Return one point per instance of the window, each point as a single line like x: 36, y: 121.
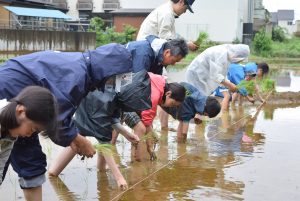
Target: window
x: 289, y: 23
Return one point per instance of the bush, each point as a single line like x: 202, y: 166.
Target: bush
x: 278, y: 34
x: 105, y: 35
x: 262, y: 43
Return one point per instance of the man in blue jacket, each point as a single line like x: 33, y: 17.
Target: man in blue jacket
x: 153, y: 53
x: 70, y: 76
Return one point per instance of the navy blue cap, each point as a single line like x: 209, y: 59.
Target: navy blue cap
x: 189, y: 4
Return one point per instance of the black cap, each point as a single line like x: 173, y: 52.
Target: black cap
x: 189, y: 4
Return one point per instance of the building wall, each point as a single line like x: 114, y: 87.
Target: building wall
x: 290, y: 28
x: 97, y: 6
x: 4, y: 19
x: 73, y: 12
x: 134, y: 21
x: 223, y: 20
x: 32, y: 40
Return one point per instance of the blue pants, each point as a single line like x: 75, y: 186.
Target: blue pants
x: 27, y: 158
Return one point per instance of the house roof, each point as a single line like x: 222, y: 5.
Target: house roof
x: 285, y: 15
x: 35, y: 12
x: 274, y: 17
x: 132, y: 11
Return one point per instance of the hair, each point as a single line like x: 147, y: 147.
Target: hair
x: 175, y: 1
x: 177, y: 47
x: 264, y: 67
x: 41, y: 108
x: 212, y: 107
x: 178, y: 91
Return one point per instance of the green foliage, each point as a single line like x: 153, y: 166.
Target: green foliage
x: 105, y: 35
x: 150, y: 136
x: 267, y: 85
x: 278, y: 34
x: 2, y: 60
x: 105, y: 149
x: 203, y: 36
x: 248, y: 85
x: 262, y: 43
x: 236, y: 41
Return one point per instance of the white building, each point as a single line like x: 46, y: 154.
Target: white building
x: 284, y: 19
x: 222, y: 20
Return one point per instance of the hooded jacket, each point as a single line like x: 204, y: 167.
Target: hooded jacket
x: 147, y: 54
x: 68, y: 75
x: 210, y: 68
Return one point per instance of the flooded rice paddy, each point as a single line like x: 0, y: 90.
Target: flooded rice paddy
x: 216, y: 163
x: 240, y: 155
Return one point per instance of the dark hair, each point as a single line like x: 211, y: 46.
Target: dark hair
x: 178, y: 91
x: 41, y: 108
x: 212, y: 107
x: 175, y: 1
x: 264, y: 67
x: 177, y: 47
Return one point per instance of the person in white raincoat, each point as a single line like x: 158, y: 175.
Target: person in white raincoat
x: 209, y: 69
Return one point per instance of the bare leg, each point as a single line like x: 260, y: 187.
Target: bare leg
x: 114, y: 138
x: 139, y: 130
x: 33, y: 194
x: 61, y: 162
x: 122, y: 184
x: 225, y: 101
x: 101, y: 162
x: 163, y: 117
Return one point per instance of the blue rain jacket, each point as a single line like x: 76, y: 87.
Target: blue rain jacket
x: 236, y: 73
x: 250, y: 68
x: 147, y: 54
x: 68, y: 75
x: 193, y: 103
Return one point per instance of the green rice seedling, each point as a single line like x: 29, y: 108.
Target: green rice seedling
x: 105, y: 149
x: 267, y: 85
x: 151, y: 135
x: 248, y: 85
x: 203, y: 36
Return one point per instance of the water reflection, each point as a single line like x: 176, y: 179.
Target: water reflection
x: 287, y: 80
x: 214, y: 164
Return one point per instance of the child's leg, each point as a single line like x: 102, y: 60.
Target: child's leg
x: 101, y: 162
x: 115, y: 171
x: 225, y: 101
x: 163, y: 117
x: 62, y: 161
x: 33, y: 194
x: 114, y: 138
x: 140, y: 131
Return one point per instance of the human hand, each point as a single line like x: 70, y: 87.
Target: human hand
x: 197, y: 119
x: 192, y: 46
x: 82, y: 146
x: 122, y: 184
x: 134, y: 139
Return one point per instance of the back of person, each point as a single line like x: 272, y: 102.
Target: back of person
x: 236, y: 73
x: 210, y: 68
x: 193, y: 103
x: 157, y: 18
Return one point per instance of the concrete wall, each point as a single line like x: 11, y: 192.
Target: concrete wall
x: 289, y: 28
x: 33, y: 40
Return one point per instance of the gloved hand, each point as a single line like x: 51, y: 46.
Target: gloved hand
x: 243, y: 91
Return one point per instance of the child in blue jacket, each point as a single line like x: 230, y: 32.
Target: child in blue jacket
x: 194, y: 103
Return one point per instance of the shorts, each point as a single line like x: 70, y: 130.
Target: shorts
x: 131, y: 119
x: 27, y: 183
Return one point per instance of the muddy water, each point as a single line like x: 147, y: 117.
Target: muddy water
x: 214, y: 164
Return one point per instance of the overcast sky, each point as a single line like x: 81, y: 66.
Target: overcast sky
x: 274, y: 5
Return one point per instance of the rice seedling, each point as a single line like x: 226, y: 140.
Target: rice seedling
x: 248, y: 85
x: 105, y: 149
x: 267, y: 85
x: 203, y: 36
